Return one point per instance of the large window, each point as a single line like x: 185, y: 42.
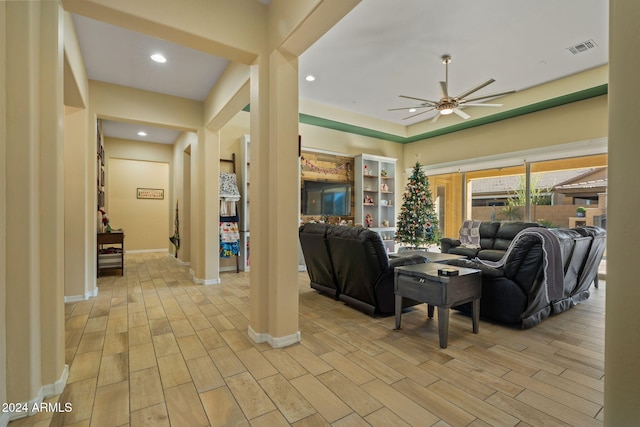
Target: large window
x: 496, y: 194
x: 575, y: 184
x: 557, y: 193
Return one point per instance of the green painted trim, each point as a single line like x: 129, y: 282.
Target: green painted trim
x: 345, y: 127
x: 520, y: 111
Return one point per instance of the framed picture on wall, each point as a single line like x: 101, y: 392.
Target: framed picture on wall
x: 150, y: 193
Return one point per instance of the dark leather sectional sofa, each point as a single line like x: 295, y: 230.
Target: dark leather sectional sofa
x: 350, y: 264
x: 495, y: 238
x: 515, y: 292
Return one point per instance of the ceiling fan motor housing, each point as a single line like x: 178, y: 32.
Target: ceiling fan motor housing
x: 447, y: 104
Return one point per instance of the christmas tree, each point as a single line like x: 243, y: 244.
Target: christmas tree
x: 417, y: 222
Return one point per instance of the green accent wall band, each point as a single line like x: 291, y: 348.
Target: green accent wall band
x: 345, y: 127
x: 527, y: 109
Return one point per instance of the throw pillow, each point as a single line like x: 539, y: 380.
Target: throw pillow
x: 470, y: 234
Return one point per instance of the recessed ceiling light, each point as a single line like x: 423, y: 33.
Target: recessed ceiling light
x: 158, y: 57
x: 412, y: 110
x: 310, y: 78
x: 142, y: 133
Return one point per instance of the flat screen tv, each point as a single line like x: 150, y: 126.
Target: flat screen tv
x: 326, y: 198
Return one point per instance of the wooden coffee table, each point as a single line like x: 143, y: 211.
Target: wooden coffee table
x: 422, y: 283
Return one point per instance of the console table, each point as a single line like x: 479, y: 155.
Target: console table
x: 422, y: 283
x: 113, y: 260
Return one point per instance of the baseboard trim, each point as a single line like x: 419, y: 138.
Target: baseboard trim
x: 206, y: 281
x: 74, y: 298
x: 91, y: 294
x: 44, y: 392
x: 145, y: 251
x: 58, y: 386
x: 278, y: 342
x: 79, y: 298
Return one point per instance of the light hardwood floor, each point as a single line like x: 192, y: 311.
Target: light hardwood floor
x: 153, y: 348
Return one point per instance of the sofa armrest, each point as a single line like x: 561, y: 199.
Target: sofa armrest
x: 447, y: 243
x: 486, y: 270
x: 406, y: 260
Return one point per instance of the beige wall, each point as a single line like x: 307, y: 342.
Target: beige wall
x: 145, y: 221
x: 76, y: 249
x: 76, y: 84
x: 144, y: 165
x: 181, y: 172
x: 115, y: 102
x: 622, y: 342
x: 80, y: 163
x: 33, y: 185
x: 579, y: 121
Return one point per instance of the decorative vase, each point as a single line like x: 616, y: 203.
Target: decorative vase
x: 108, y: 228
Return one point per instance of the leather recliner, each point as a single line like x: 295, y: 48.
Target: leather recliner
x: 316, y: 256
x: 589, y: 272
x: 513, y: 293
x: 357, y: 263
x: 574, y: 248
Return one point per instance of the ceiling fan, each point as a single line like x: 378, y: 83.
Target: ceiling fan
x: 448, y: 104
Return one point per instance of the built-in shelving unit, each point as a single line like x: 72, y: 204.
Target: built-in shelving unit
x: 243, y: 185
x: 375, y: 195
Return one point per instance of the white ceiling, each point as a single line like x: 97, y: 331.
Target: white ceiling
x: 124, y: 130
x: 382, y: 49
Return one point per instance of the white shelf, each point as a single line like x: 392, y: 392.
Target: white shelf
x: 381, y: 190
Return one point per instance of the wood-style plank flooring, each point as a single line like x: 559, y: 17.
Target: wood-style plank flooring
x: 155, y: 349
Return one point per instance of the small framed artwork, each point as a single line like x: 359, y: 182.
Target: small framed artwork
x: 151, y: 193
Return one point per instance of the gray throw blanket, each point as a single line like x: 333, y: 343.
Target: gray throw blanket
x: 553, y: 269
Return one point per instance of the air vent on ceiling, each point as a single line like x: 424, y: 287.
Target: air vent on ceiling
x: 582, y: 47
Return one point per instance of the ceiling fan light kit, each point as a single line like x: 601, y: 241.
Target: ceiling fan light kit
x: 447, y: 104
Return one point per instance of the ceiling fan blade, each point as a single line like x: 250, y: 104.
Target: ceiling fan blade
x: 409, y: 108
x: 492, y: 95
x: 422, y: 112
x: 478, y: 104
x: 475, y: 89
x: 436, y: 117
x: 461, y: 113
x: 418, y: 99
x: 444, y: 90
